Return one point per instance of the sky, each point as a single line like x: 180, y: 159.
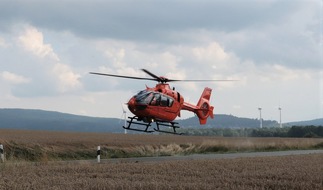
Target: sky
x: 273, y: 48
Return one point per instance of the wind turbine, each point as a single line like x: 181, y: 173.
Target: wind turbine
x: 124, y: 114
x: 280, y: 117
x: 260, y: 117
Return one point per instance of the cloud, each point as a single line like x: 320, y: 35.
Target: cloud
x: 3, y: 42
x: 14, y: 78
x: 145, y: 21
x: 291, y: 40
x: 271, y: 46
x: 282, y: 73
x: 30, y: 59
x: 32, y: 40
x: 212, y: 53
x: 283, y: 32
x: 68, y: 80
x: 216, y: 57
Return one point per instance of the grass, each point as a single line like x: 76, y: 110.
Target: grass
x: 48, y: 146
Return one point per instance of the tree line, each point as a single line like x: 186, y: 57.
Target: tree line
x: 294, y: 131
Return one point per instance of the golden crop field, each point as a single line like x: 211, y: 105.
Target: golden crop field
x: 283, y: 172
x: 47, y: 146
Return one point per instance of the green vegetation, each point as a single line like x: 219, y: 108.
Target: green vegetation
x: 306, y: 131
x: 294, y: 131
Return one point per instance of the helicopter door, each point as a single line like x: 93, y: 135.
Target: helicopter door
x: 155, y: 103
x: 164, y: 101
x: 166, y: 104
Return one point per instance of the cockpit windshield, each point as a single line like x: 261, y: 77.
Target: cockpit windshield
x: 153, y: 98
x: 144, y: 97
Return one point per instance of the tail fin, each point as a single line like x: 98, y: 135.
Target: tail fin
x: 204, y: 109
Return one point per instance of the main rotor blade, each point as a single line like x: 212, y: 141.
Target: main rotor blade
x: 215, y: 80
x: 159, y: 79
x: 152, y: 75
x: 122, y: 76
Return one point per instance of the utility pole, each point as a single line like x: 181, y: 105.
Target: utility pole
x: 124, y: 114
x: 125, y: 120
x: 280, y: 117
x: 1, y: 153
x: 260, y: 118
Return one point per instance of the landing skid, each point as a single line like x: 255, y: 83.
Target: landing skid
x: 169, y: 125
x: 146, y: 125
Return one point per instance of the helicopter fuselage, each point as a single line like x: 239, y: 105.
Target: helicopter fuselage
x: 160, y: 103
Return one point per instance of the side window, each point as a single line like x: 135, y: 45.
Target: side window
x: 156, y: 100
x: 170, y: 102
x: 163, y: 101
x: 148, y: 98
x: 166, y: 101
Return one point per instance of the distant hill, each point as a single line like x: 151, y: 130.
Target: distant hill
x: 56, y: 121
x: 316, y: 122
x: 227, y: 121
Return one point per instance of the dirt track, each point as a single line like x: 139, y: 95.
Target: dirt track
x: 214, y: 156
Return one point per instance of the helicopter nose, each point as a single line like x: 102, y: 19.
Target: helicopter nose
x: 131, y: 104
x: 134, y: 107
x: 140, y: 107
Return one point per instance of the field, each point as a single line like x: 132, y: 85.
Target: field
x: 48, y: 146
x: 285, y: 172
x: 43, y: 147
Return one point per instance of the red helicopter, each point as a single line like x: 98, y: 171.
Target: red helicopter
x: 162, y: 105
